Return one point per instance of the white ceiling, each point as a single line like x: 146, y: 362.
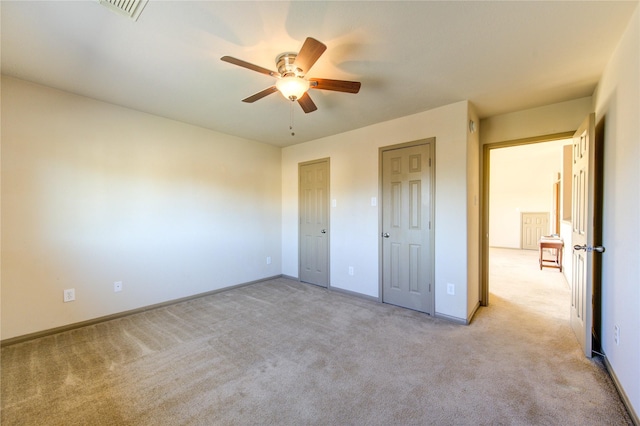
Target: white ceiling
x: 410, y: 57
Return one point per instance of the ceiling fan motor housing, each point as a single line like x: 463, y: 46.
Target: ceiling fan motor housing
x: 286, y: 67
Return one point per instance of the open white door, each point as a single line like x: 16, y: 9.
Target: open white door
x: 586, y: 186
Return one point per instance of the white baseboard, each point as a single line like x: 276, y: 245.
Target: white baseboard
x: 623, y: 396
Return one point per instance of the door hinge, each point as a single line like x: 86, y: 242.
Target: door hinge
x: 429, y: 225
x: 429, y: 162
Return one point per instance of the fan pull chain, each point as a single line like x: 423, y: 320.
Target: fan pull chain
x: 291, y: 118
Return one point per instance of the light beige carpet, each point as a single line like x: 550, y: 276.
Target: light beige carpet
x: 286, y: 353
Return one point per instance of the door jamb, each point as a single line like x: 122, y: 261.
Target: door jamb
x: 432, y: 211
x: 484, y: 201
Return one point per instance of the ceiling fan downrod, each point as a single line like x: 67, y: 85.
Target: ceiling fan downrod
x: 291, y: 118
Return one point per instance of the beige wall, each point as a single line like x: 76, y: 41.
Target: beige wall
x: 617, y: 103
x: 93, y: 193
x: 542, y: 121
x: 354, y: 235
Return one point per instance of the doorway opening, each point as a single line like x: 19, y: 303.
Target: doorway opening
x: 521, y: 180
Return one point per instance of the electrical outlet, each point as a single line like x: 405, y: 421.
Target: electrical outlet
x: 69, y: 295
x: 350, y: 270
x: 616, y: 334
x: 117, y: 286
x: 268, y: 260
x: 451, y: 289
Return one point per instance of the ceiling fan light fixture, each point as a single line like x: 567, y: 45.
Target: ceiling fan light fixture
x: 292, y: 88
x: 291, y: 81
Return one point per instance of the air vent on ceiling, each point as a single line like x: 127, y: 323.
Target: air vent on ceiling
x: 130, y: 8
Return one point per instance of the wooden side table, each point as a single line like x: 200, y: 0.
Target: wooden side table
x: 555, y: 244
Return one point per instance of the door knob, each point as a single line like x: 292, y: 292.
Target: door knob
x: 385, y: 234
x: 589, y: 249
x: 324, y: 231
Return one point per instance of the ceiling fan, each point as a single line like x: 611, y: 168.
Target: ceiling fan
x: 292, y: 69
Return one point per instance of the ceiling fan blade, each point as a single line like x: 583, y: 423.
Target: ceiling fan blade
x: 248, y: 65
x: 307, y: 104
x: 311, y: 50
x: 335, y: 85
x: 260, y: 94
